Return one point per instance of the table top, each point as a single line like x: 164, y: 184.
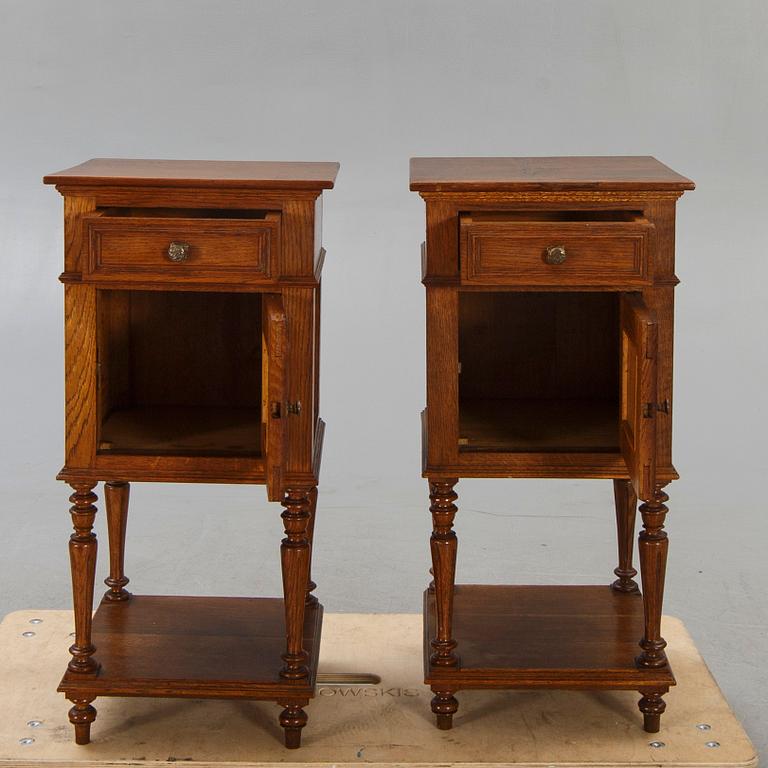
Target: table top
x: 513, y: 174
x: 250, y: 174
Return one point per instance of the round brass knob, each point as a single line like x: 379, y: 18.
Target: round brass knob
x: 178, y: 251
x: 555, y: 254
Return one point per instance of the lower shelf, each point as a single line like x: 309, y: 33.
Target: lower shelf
x: 198, y: 647
x: 543, y: 637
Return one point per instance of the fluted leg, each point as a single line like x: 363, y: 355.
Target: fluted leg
x: 294, y: 557
x: 626, y: 507
x: 443, y: 544
x: 81, y: 715
x: 116, y: 495
x: 82, y: 558
x: 311, y: 586
x: 444, y: 706
x: 653, y: 546
x: 293, y: 718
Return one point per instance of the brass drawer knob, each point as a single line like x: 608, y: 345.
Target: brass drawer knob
x: 555, y: 254
x: 178, y: 251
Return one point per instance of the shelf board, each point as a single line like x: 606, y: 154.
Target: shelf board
x: 182, y: 431
x: 534, y: 425
x: 582, y: 637
x: 198, y: 647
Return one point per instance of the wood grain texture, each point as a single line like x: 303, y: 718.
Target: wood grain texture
x: 82, y: 557
x: 625, y: 501
x: 564, y: 369
x: 513, y: 637
x: 257, y: 174
x: 639, y: 405
x: 116, y: 499
x: 199, y: 647
x: 182, y: 371
x: 81, y: 409
x: 543, y: 173
x: 136, y: 248
x: 274, y: 414
x: 513, y: 252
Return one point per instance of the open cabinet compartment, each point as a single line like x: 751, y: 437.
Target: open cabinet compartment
x: 180, y: 373
x: 539, y: 371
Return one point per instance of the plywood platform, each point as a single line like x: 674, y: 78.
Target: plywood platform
x: 387, y: 723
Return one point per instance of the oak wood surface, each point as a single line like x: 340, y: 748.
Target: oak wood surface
x: 552, y: 636
x: 182, y: 430
x: 259, y: 174
x: 543, y: 173
x: 220, y: 647
x: 182, y: 371
x: 543, y: 369
x: 513, y: 252
x: 533, y: 425
x: 136, y: 247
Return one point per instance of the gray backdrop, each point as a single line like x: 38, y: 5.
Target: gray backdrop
x: 370, y: 83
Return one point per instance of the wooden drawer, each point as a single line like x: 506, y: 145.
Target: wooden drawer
x: 138, y: 248
x: 509, y: 250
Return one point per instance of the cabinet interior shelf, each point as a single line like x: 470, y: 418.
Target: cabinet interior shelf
x: 182, y: 431
x: 539, y: 425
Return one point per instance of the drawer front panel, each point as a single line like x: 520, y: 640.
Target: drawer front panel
x: 556, y: 253
x: 195, y: 250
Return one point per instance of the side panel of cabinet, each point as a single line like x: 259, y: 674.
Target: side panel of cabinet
x: 80, y: 360
x: 442, y: 376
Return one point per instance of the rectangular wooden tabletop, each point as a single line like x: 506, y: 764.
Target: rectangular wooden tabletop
x: 250, y: 174
x: 508, y: 174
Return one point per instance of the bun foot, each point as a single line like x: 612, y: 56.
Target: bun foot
x: 81, y: 716
x: 444, y: 706
x: 293, y: 718
x: 652, y: 723
x: 652, y: 705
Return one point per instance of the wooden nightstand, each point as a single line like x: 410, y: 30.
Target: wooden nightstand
x: 550, y: 287
x: 192, y: 319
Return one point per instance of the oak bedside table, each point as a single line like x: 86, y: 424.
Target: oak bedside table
x: 192, y: 317
x: 550, y: 287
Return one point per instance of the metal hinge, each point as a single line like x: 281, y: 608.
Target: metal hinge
x: 294, y: 408
x: 649, y: 409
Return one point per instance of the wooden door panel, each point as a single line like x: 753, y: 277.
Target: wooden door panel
x: 639, y: 352
x: 273, y: 389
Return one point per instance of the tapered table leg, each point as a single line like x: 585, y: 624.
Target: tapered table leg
x: 116, y: 496
x: 294, y: 558
x: 653, y: 546
x: 311, y: 586
x: 626, y: 507
x: 82, y: 557
x: 443, y: 545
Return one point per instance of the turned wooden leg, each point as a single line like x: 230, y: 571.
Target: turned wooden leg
x: 443, y: 544
x: 81, y: 715
x: 311, y: 586
x: 444, y: 705
x: 626, y: 506
x: 294, y: 557
x: 82, y: 558
x: 653, y: 545
x: 293, y: 718
x: 116, y: 496
x: 652, y: 706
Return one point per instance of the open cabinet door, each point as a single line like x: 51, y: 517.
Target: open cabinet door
x: 637, y: 430
x: 273, y: 390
